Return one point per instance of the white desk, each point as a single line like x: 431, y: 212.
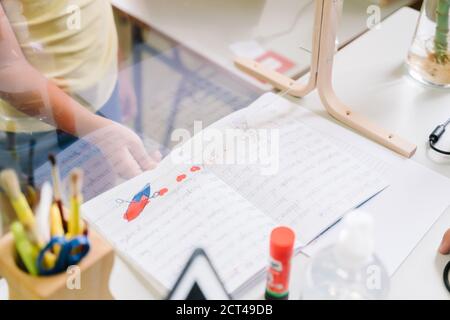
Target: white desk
x: 210, y: 27
x: 377, y: 88
x: 380, y: 89
x: 370, y: 77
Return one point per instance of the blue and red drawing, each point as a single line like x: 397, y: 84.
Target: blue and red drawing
x: 138, y: 204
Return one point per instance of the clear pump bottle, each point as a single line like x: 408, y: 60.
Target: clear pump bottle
x: 348, y: 270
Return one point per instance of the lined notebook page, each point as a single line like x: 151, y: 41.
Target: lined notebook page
x: 316, y: 184
x: 201, y: 211
x: 229, y: 210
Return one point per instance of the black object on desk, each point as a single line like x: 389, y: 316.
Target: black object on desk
x: 199, y: 281
x: 436, y: 135
x: 447, y: 276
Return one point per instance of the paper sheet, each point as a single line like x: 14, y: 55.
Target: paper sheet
x: 316, y: 182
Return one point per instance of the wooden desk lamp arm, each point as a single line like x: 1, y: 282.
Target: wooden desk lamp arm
x: 328, y: 13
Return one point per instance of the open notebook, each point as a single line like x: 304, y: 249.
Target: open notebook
x: 230, y: 209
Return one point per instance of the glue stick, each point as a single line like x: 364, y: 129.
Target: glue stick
x: 281, y: 251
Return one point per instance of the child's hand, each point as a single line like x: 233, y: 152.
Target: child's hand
x: 123, y: 149
x: 445, y: 245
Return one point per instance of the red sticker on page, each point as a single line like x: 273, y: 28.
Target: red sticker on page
x: 276, y: 62
x: 181, y: 177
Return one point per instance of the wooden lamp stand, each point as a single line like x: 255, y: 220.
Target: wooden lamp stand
x: 324, y: 48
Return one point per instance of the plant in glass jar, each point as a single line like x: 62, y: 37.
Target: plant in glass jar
x: 429, y: 56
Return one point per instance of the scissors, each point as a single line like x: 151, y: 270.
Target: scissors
x: 71, y: 252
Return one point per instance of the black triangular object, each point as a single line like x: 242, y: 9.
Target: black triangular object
x: 199, y: 281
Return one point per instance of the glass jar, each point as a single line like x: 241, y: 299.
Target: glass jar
x: 429, y: 57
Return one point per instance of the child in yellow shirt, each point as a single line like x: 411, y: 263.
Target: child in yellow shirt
x: 58, y: 82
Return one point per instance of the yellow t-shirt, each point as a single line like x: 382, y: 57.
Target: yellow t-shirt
x: 72, y: 42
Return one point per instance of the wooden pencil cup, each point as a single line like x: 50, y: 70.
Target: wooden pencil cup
x: 93, y: 282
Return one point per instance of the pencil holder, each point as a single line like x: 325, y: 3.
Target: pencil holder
x: 87, y: 281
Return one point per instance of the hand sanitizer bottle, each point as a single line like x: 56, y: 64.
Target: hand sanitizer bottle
x: 348, y: 270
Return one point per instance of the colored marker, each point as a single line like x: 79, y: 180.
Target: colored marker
x: 31, y: 193
x: 56, y: 224
x: 76, y: 198
x: 27, y: 251
x: 56, y: 185
x: 10, y: 183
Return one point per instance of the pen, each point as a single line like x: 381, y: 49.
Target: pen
x: 31, y: 196
x: 6, y: 210
x: 76, y: 198
x: 30, y: 188
x: 56, y: 225
x: 10, y: 184
x: 31, y: 163
x: 56, y: 185
x: 27, y: 251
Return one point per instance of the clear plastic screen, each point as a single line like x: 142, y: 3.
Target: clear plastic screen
x: 124, y: 75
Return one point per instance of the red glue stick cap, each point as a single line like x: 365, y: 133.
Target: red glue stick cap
x: 282, y: 242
